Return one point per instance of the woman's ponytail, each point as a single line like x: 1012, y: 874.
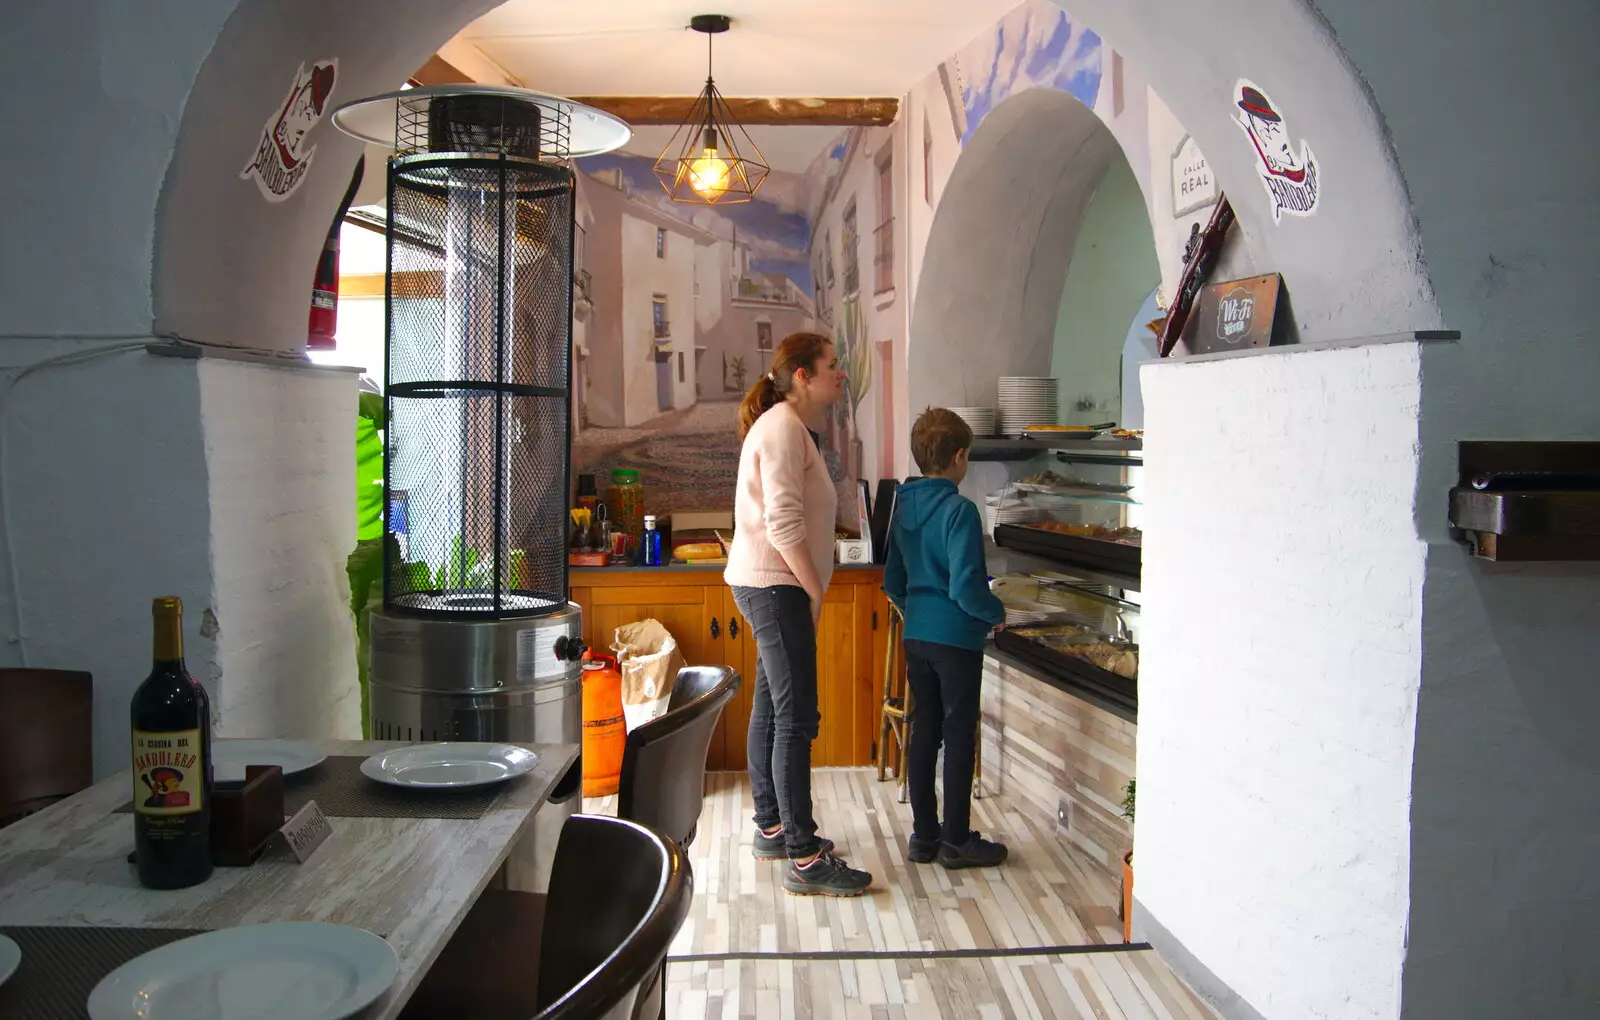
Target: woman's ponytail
x: 763, y: 396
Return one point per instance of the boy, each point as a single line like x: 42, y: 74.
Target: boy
x: 936, y: 576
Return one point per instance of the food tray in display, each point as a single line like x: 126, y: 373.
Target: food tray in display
x: 1092, y: 553
x: 1080, y: 672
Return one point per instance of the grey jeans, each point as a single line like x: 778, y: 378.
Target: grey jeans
x: 783, y: 712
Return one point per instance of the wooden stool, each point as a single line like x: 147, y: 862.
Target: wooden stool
x: 897, y: 703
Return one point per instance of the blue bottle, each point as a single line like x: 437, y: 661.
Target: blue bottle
x: 650, y: 544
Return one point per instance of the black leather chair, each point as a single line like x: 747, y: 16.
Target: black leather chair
x: 593, y: 949
x: 46, y: 738
x: 664, y: 760
x: 619, y: 892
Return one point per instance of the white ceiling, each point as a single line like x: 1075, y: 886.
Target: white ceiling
x: 790, y: 48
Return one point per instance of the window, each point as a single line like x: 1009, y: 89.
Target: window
x: 763, y: 336
x: 680, y: 366
x: 883, y: 233
x: 661, y: 243
x: 927, y: 162
x: 852, y: 267
x: 827, y: 254
x: 658, y: 317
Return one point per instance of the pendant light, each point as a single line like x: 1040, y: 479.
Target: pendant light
x: 711, y: 159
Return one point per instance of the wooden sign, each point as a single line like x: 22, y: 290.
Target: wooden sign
x: 306, y: 831
x: 1236, y: 315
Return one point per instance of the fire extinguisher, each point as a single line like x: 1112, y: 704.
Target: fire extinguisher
x: 325, y: 287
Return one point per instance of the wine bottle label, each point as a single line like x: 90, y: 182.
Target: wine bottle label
x: 169, y: 776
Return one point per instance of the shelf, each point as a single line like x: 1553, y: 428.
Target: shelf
x: 1049, y: 564
x: 1087, y: 494
x: 1083, y: 451
x: 1076, y: 553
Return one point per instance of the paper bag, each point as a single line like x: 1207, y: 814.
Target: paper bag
x: 649, y: 660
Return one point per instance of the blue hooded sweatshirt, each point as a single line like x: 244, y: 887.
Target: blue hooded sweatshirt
x: 936, y: 572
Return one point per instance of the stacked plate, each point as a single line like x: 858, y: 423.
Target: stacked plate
x: 1027, y: 400
x: 1012, y: 512
x: 982, y: 420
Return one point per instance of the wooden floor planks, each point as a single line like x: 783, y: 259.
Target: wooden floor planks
x: 1047, y: 896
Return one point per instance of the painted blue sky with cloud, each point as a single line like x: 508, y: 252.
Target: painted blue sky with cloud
x: 779, y: 240
x: 1036, y: 46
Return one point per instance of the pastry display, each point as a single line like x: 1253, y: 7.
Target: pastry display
x: 1121, y: 536
x: 1110, y: 654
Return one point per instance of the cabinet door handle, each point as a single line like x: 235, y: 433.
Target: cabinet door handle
x: 733, y: 626
x: 716, y: 631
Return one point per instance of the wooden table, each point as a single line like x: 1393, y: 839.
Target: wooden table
x: 410, y: 880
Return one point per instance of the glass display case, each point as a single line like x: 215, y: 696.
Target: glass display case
x: 1068, y: 549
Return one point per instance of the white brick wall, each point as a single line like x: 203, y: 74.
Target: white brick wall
x: 1282, y: 656
x: 280, y: 452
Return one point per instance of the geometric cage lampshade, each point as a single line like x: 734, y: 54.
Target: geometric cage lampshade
x: 711, y: 159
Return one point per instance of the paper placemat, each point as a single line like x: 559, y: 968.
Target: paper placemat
x: 341, y: 791
x: 61, y: 966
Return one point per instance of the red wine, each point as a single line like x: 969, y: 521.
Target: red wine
x: 171, y: 763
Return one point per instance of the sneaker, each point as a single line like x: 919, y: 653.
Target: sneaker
x: 976, y: 852
x: 922, y: 851
x: 827, y: 875
x: 773, y: 848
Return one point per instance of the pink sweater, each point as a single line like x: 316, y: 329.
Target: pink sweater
x: 784, y: 500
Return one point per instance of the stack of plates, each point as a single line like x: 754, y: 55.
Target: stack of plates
x: 1027, y: 400
x: 1012, y: 513
x: 1060, y: 509
x: 982, y: 420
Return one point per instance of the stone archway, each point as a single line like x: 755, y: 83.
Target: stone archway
x: 997, y: 255
x: 1486, y: 116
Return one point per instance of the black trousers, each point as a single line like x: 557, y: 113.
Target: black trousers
x: 945, y: 682
x: 783, y: 711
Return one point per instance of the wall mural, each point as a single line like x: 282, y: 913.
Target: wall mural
x: 679, y: 309
x: 1035, y: 46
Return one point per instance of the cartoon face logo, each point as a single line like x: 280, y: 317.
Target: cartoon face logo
x: 166, y: 788
x: 1290, y: 178
x: 280, y: 162
x: 301, y: 113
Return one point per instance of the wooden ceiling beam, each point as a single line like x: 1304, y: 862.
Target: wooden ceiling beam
x: 439, y: 71
x: 670, y: 111
x: 646, y: 111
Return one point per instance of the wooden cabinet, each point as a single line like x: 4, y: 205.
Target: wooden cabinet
x: 698, y: 608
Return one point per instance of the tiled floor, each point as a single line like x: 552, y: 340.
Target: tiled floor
x: 749, y: 950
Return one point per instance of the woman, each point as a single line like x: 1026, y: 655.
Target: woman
x: 779, y: 567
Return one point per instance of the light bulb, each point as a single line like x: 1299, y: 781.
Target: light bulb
x: 709, y: 175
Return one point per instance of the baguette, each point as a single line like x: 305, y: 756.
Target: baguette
x: 698, y: 551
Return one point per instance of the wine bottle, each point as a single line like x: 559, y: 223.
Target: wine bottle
x: 171, y: 763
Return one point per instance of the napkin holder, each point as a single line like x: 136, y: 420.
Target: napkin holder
x: 245, y: 818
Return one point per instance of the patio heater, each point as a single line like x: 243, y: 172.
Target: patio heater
x: 476, y: 640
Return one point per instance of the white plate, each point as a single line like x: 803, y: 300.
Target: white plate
x: 229, y: 757
x: 304, y: 970
x: 10, y: 958
x: 449, y: 765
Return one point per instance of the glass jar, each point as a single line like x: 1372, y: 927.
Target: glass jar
x: 626, y: 502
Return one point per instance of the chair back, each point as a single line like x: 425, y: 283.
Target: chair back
x: 664, y: 760
x: 46, y: 738
x: 619, y: 892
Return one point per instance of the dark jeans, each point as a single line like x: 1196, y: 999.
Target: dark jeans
x: 945, y: 682
x: 783, y: 712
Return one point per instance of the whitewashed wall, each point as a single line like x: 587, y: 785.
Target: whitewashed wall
x: 1282, y: 652
x: 280, y: 472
